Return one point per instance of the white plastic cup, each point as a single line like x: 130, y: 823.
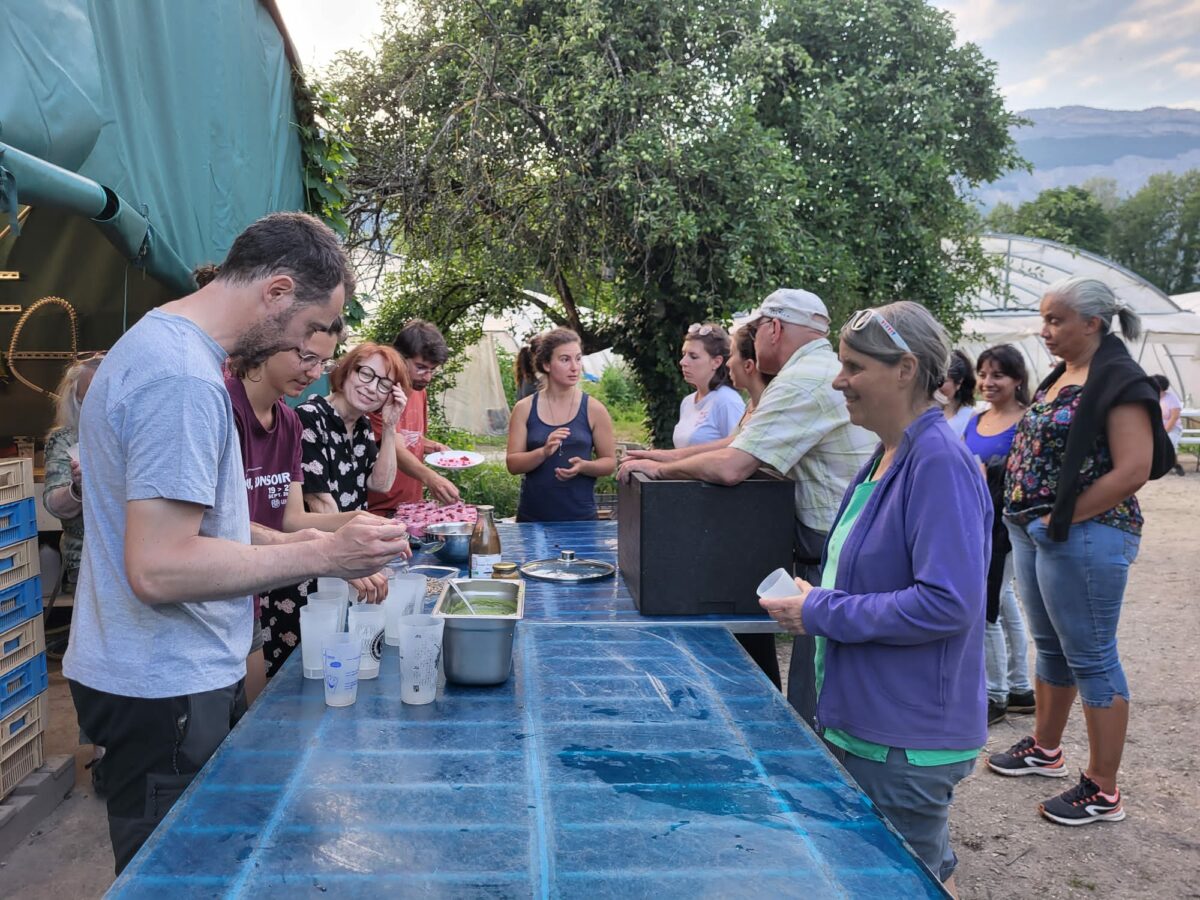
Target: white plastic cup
x: 316, y: 624
x: 333, y: 586
x: 420, y: 658
x: 367, y: 621
x: 405, y: 597
x: 73, y: 452
x: 340, y: 655
x: 334, y: 600
x: 779, y: 583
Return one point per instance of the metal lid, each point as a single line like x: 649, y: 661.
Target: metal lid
x: 504, y: 568
x: 567, y: 569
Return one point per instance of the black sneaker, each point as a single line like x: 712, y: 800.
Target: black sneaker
x: 1023, y: 702
x: 1025, y: 757
x: 1082, y: 804
x: 996, y: 711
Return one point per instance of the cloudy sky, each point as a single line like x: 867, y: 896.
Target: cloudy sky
x: 1105, y: 53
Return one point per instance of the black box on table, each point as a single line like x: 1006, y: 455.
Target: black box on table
x: 692, y: 548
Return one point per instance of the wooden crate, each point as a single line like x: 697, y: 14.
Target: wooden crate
x: 22, y: 749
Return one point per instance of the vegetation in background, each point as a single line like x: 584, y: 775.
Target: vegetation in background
x: 650, y: 164
x: 1155, y: 232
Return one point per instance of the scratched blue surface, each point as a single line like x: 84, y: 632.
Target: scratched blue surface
x: 617, y: 762
x: 606, y: 602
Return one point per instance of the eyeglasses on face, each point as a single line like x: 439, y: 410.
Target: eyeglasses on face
x: 425, y: 370
x: 862, y: 318
x: 310, y: 361
x: 367, y: 375
x: 702, y: 330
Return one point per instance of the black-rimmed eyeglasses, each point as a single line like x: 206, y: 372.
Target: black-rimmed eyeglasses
x: 367, y: 375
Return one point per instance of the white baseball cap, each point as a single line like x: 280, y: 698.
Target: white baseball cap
x: 797, y: 307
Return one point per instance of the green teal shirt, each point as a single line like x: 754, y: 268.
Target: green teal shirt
x: 845, y: 740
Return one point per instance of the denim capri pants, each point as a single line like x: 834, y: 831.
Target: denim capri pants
x: 1072, y: 594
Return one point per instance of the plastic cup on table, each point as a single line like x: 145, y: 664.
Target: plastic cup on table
x: 333, y: 599
x: 405, y: 597
x: 367, y: 622
x: 333, y: 586
x: 341, y: 655
x: 316, y: 624
x: 420, y: 657
x: 778, y: 584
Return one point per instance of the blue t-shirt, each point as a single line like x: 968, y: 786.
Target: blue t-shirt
x: 714, y: 417
x: 990, y: 448
x: 157, y: 424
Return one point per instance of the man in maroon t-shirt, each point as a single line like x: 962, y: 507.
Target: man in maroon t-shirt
x: 424, y: 351
x: 269, y: 435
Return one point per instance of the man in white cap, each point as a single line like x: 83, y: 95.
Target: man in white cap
x: 801, y: 429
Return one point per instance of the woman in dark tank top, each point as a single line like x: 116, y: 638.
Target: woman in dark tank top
x: 554, y: 433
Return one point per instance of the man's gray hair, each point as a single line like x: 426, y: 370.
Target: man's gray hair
x: 1093, y: 299
x: 925, y: 336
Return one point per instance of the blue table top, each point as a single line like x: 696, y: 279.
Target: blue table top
x: 616, y: 762
x: 606, y: 602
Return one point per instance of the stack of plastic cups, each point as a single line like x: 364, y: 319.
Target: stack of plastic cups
x: 316, y: 624
x: 406, y: 597
x: 420, y: 657
x: 341, y: 656
x: 334, y: 600
x: 367, y: 623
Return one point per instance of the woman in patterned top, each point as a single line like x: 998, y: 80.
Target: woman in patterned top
x: 63, y: 497
x: 1088, y: 442
x: 340, y: 457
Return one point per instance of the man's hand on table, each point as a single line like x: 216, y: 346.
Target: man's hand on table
x: 788, y: 611
x: 647, y: 467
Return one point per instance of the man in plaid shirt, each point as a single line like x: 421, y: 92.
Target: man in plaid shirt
x: 802, y: 430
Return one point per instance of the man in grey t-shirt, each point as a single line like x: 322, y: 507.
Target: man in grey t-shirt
x: 162, y: 620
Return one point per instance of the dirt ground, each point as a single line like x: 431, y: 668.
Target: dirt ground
x: 1005, y: 848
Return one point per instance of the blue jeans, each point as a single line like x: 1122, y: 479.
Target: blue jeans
x: 1006, y: 645
x: 1072, y: 594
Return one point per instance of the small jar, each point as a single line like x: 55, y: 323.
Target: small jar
x: 506, y: 571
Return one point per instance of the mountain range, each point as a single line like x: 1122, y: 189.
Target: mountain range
x: 1071, y: 144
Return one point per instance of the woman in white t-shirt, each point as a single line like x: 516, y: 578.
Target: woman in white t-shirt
x: 714, y: 409
x: 957, y: 393
x: 1172, y: 413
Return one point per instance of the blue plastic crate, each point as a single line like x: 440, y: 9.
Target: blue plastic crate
x: 20, y: 602
x: 18, y: 521
x: 23, y: 683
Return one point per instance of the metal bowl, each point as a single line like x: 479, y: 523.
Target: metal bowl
x: 456, y: 537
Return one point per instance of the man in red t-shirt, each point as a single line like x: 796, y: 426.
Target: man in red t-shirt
x: 424, y: 351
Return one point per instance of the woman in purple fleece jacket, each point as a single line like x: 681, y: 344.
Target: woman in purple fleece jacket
x: 899, y: 613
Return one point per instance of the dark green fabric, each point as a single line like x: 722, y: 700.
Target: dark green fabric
x: 183, y: 110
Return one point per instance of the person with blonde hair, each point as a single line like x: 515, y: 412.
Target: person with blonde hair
x: 63, y: 496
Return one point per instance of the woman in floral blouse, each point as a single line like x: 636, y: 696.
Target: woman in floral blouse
x: 340, y: 457
x: 1089, y: 441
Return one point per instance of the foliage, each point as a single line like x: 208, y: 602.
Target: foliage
x: 489, y: 484
x: 1071, y: 216
x: 327, y: 157
x: 508, y: 376
x: 1156, y: 232
x: 651, y: 164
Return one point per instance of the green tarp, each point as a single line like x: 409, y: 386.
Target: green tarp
x: 182, y: 110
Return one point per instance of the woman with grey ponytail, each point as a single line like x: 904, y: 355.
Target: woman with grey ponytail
x: 1091, y: 438
x: 1093, y: 299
